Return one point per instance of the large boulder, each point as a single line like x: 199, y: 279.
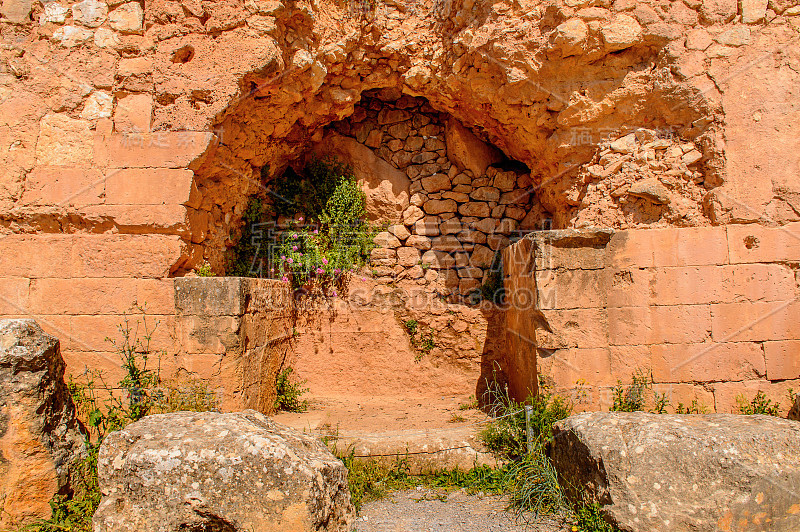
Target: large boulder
x: 40, y: 437
x: 683, y: 472
x: 219, y: 472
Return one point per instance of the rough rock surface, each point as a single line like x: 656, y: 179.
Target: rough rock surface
x: 40, y: 439
x: 684, y: 472
x: 794, y: 412
x: 224, y: 472
x: 548, y: 83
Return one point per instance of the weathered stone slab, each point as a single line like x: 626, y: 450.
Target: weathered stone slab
x: 226, y: 472
x: 684, y: 472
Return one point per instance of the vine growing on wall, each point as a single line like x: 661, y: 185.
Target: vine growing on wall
x: 313, y: 234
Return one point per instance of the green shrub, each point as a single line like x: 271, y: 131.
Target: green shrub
x: 534, y: 484
x: 632, y: 398
x: 507, y: 437
x: 204, y: 270
x: 327, y: 238
x: 424, y: 343
x: 758, y: 405
x: 694, y: 408
x: 492, y: 289
x: 589, y: 518
x: 289, y: 393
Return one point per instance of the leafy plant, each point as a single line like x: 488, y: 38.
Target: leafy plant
x: 204, y: 270
x: 424, y: 343
x: 631, y: 398
x: 589, y: 518
x: 535, y: 486
x: 507, y: 435
x: 326, y: 238
x: 758, y: 405
x: 455, y: 418
x: 661, y: 402
x: 492, y: 289
x: 693, y: 408
x: 289, y: 393
x: 472, y: 404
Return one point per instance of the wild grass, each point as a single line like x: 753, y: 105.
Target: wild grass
x: 370, y: 479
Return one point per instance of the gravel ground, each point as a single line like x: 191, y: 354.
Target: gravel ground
x: 425, y: 510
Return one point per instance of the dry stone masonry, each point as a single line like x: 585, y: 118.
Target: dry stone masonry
x: 461, y: 206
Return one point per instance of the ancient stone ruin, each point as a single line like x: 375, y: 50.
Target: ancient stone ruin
x: 623, y: 175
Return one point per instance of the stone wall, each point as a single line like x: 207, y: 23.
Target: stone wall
x: 711, y: 312
x: 452, y: 205
x: 235, y: 333
x: 359, y: 346
x: 231, y: 332
x: 132, y: 133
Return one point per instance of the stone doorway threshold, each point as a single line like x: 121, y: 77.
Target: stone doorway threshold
x: 432, y: 433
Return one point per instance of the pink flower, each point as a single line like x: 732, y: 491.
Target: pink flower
x: 363, y: 278
x: 320, y: 271
x: 294, y: 236
x: 289, y: 260
x: 300, y: 219
x: 316, y: 231
x: 285, y: 279
x: 336, y: 271
x: 324, y: 260
x: 294, y: 248
x: 334, y: 292
x: 272, y: 270
x: 283, y: 257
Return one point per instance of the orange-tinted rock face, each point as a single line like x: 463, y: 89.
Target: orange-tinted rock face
x: 40, y: 440
x: 550, y: 84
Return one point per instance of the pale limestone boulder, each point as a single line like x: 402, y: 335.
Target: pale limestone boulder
x: 719, y: 11
x: 41, y: 441
x: 384, y: 239
x: 210, y: 471
x: 654, y: 472
x: 64, y: 141
x: 753, y: 11
x: 16, y: 11
x: 622, y: 32
x: 91, y: 13
x: 127, y: 18
x: 71, y: 36
x: 571, y: 36
x: 650, y: 189
x: 436, y: 183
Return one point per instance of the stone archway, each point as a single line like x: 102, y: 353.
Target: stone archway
x: 517, y: 89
